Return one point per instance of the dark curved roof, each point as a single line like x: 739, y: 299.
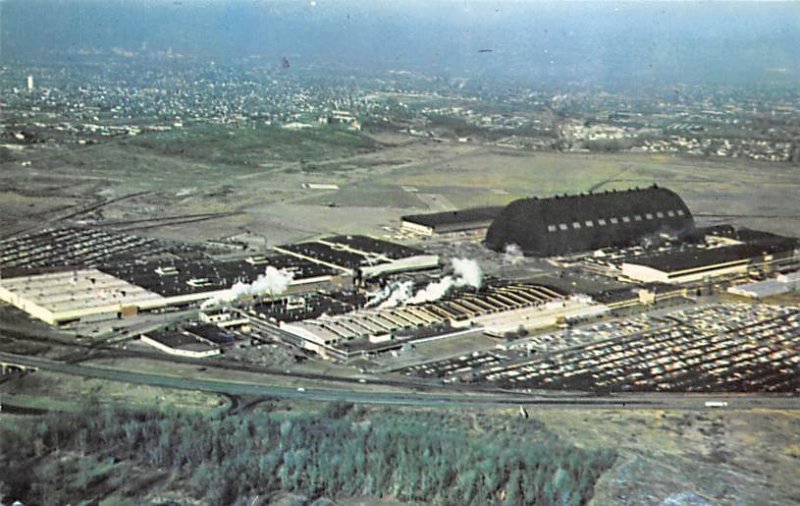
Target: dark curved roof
x: 560, y: 225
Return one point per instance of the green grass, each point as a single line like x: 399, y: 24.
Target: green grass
x: 367, y: 197
x: 200, y: 156
x: 46, y: 390
x: 253, y: 146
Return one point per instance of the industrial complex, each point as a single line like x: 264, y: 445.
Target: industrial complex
x: 347, y: 298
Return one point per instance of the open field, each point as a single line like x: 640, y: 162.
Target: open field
x: 50, y: 391
x: 255, y: 146
x: 719, y: 187
x: 368, y: 196
x: 714, y: 457
x: 260, y: 173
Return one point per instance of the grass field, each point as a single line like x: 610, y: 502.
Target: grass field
x: 371, y: 196
x: 744, y: 192
x: 198, y: 169
x: 255, y: 146
x: 49, y: 391
x: 261, y: 172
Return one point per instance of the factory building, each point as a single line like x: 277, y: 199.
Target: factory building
x: 696, y: 264
x: 181, y: 343
x: 495, y: 309
x: 574, y: 223
x: 361, y: 256
x: 119, y: 291
x: 783, y: 283
x: 474, y: 220
x: 80, y: 296
x: 186, y: 282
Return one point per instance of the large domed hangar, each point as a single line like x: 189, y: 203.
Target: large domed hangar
x: 572, y: 223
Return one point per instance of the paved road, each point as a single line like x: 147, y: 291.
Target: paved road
x: 342, y: 393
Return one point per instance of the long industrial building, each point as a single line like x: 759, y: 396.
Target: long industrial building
x: 574, y: 223
x: 474, y: 220
x: 783, y: 283
x: 77, y: 296
x: 697, y: 264
x: 496, y: 309
x: 90, y: 295
x: 360, y: 255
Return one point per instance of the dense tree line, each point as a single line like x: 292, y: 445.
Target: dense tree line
x: 340, y: 452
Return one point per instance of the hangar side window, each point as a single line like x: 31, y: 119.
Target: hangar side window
x: 649, y: 216
x: 563, y: 226
x: 626, y: 219
x: 589, y: 223
x: 659, y: 214
x: 576, y: 225
x: 614, y: 221
x: 637, y: 217
x: 671, y: 214
x: 551, y: 228
x: 680, y: 212
x: 601, y: 222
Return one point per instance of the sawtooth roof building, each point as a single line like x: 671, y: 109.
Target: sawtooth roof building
x: 567, y: 224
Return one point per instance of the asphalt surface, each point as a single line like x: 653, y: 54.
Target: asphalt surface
x: 456, y: 399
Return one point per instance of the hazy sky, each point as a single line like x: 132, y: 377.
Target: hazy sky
x: 593, y: 41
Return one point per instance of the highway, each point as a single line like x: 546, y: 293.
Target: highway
x: 443, y: 399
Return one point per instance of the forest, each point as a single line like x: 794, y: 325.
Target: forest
x: 337, y: 452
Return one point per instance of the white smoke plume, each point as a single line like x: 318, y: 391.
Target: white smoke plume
x: 272, y: 282
x: 400, y: 293
x: 513, y: 254
x: 467, y: 272
x: 393, y: 290
x: 434, y: 291
x: 376, y: 297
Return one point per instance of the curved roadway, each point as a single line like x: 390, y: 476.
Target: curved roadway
x: 342, y: 393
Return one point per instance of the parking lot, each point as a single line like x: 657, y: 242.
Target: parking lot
x: 465, y: 367
x: 712, y: 348
x: 737, y: 348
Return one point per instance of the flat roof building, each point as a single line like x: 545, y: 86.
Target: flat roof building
x: 696, y: 264
x: 361, y: 255
x: 497, y: 307
x: 476, y: 220
x: 783, y: 283
x: 180, y: 343
x: 77, y: 296
x: 88, y: 295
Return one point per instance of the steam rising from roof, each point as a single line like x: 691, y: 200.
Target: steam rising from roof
x: 273, y: 282
x: 466, y: 272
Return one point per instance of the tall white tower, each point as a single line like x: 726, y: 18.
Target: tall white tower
x: 30, y: 83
